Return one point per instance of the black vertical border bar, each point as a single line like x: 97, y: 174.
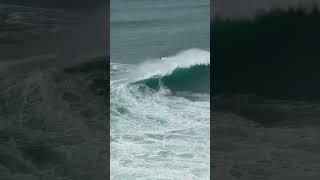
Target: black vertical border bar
x: 107, y: 28
x: 212, y: 83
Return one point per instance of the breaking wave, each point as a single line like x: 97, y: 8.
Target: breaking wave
x: 152, y: 121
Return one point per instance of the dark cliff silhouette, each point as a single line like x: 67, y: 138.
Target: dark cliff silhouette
x: 274, y: 54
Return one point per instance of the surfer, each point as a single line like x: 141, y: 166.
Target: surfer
x: 162, y: 58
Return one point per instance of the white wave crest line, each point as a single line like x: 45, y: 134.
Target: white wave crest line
x: 156, y: 67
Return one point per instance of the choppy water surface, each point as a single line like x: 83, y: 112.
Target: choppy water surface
x: 160, y: 109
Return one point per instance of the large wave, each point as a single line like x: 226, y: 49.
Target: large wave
x: 178, y: 64
x: 157, y: 124
x: 194, y: 79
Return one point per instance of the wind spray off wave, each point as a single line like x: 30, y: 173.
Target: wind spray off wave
x: 159, y: 124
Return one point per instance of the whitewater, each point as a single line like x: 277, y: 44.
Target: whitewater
x: 160, y: 117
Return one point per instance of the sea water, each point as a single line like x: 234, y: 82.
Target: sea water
x: 160, y: 109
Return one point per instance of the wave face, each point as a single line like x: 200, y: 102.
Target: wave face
x: 160, y: 118
x: 194, y: 79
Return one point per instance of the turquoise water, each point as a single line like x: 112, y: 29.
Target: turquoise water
x: 160, y: 110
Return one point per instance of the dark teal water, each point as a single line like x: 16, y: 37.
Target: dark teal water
x: 144, y: 29
x: 160, y: 109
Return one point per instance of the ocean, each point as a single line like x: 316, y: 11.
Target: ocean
x: 160, y: 89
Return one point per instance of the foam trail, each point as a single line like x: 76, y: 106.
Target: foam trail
x: 156, y: 134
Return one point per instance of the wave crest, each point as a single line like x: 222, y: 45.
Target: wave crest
x: 195, y: 79
x: 158, y: 68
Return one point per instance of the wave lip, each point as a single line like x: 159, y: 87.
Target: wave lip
x: 194, y: 79
x: 189, y: 70
x: 155, y: 67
